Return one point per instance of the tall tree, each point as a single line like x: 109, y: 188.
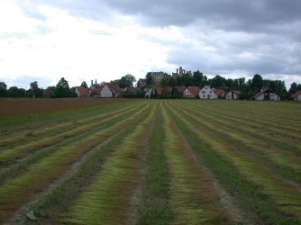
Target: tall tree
x: 34, y: 90
x: 3, y: 89
x: 257, y: 82
x: 62, y: 89
x: 84, y: 84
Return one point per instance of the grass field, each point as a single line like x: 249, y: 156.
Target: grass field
x: 156, y: 162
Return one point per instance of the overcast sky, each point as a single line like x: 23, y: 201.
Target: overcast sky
x: 44, y: 40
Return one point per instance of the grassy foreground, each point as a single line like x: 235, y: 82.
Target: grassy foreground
x: 184, y: 162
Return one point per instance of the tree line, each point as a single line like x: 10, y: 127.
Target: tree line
x: 248, y: 88
x: 61, y: 90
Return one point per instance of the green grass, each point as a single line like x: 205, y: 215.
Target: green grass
x: 154, y: 162
x: 107, y: 201
x: 18, y: 190
x: 154, y: 207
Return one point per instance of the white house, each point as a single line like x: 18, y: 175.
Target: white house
x: 267, y: 94
x: 297, y: 96
x: 233, y: 95
x: 106, y: 92
x: 148, y: 92
x: 207, y: 93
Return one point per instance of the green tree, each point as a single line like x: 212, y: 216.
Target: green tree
x: 257, y: 82
x: 62, y: 89
x: 84, y: 84
x: 16, y: 92
x: 3, y: 89
x: 34, y: 90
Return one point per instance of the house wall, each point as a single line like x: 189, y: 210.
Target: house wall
x: 259, y: 97
x: 77, y: 92
x: 274, y: 97
x: 298, y: 98
x: 187, y: 93
x: 231, y: 96
x: 207, y: 93
x: 106, y: 92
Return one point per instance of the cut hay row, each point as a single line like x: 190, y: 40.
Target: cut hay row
x: 270, y: 197
x: 153, y: 206
x: 194, y: 200
x: 286, y: 112
x: 109, y: 200
x: 16, y: 168
x: 17, y: 191
x: 286, y: 163
x: 259, y: 126
x: 53, y: 204
x: 53, y: 129
x: 11, y: 155
x: 253, y: 112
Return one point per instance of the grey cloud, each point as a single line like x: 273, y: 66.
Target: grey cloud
x: 268, y: 31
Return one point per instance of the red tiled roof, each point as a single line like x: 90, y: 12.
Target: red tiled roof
x: 83, y: 92
x: 114, y: 88
x: 194, y: 90
x: 219, y: 92
x: 296, y: 94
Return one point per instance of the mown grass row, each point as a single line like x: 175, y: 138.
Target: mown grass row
x: 236, y: 117
x: 17, y: 191
x: 194, y: 199
x: 253, y: 114
x: 287, y: 139
x: 34, y: 134
x: 12, y: 169
x: 53, y: 206
x: 109, y: 199
x: 11, y: 155
x: 258, y: 192
x: 154, y: 204
x: 285, y: 163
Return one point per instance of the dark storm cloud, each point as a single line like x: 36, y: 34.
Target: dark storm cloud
x: 258, y: 36
x: 232, y: 14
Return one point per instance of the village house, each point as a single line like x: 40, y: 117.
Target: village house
x: 297, y: 96
x: 267, y: 94
x: 82, y: 92
x: 178, y: 91
x: 207, y: 93
x: 148, y: 92
x: 191, y: 92
x: 233, y: 95
x: 219, y: 92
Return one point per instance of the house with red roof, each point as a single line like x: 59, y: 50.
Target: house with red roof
x: 219, y: 92
x: 232, y: 95
x: 266, y: 94
x: 82, y: 92
x: 191, y: 92
x: 297, y: 96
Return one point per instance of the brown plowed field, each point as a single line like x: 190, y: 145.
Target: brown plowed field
x: 12, y: 107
